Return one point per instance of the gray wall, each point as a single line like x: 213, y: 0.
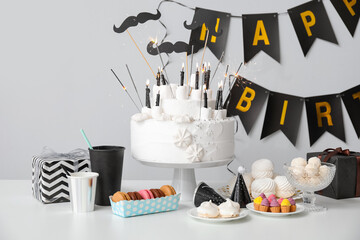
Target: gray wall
x: 55, y: 59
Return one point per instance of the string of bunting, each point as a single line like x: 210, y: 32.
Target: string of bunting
x: 260, y: 31
x: 283, y: 112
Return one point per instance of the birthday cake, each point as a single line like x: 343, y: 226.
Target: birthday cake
x: 184, y: 125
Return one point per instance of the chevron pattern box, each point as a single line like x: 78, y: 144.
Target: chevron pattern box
x: 49, y: 181
x: 142, y: 207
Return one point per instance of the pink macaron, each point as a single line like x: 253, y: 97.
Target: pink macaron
x: 146, y: 194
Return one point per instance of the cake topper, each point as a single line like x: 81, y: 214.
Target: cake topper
x: 133, y: 21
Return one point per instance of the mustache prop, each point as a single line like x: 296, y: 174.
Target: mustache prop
x: 167, y: 47
x: 133, y: 21
x: 196, y: 24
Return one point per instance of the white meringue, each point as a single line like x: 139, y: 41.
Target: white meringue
x: 262, y: 168
x: 181, y: 119
x: 139, y: 117
x: 298, y: 171
x: 283, y: 187
x: 311, y: 170
x: 229, y: 209
x: 263, y: 185
x: 314, y: 161
x: 183, y: 138
x: 297, y: 162
x: 195, y: 153
x: 314, y: 181
x: 324, y: 171
x: 208, y: 210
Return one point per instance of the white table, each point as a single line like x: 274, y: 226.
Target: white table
x: 23, y: 217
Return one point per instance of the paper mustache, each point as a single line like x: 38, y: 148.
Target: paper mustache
x: 134, y: 21
x: 167, y: 47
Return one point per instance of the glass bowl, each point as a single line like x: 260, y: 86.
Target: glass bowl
x: 310, y: 184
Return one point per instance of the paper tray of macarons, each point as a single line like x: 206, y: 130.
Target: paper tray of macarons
x: 131, y: 208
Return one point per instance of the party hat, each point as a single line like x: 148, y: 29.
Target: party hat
x: 204, y: 193
x: 240, y: 193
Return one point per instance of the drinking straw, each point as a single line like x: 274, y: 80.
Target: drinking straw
x: 86, y: 139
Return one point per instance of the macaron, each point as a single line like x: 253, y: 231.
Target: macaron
x: 120, y: 196
x: 168, y: 190
x: 157, y: 193
x: 135, y: 195
x: 146, y: 194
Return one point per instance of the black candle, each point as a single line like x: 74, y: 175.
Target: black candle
x: 205, y: 99
x: 218, y: 103
x: 197, y: 78
x: 220, y: 99
x: 157, y: 103
x: 204, y: 75
x: 147, y: 102
x: 158, y: 77
x: 163, y: 81
x: 182, y: 75
x: 208, y: 77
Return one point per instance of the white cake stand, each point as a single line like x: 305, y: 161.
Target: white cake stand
x: 184, y: 174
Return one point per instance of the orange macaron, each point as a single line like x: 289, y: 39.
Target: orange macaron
x: 168, y: 190
x: 120, y: 196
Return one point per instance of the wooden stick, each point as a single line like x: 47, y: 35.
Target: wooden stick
x: 206, y: 40
x: 141, y: 53
x: 187, y: 73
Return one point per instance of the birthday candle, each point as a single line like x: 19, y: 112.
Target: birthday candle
x: 182, y: 75
x: 147, y: 94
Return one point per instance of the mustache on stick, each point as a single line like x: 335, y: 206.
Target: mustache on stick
x: 133, y: 21
x: 167, y: 47
x: 196, y: 24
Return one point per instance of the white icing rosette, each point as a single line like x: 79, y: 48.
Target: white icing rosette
x: 195, y: 153
x: 183, y: 138
x: 182, y: 119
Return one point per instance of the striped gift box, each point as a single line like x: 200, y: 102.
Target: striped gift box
x: 49, y: 181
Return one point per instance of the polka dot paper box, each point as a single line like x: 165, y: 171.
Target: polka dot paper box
x: 143, y: 207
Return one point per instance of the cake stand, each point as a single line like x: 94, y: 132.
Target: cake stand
x: 184, y: 174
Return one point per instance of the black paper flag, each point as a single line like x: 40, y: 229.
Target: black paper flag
x: 349, y: 11
x: 246, y: 100
x: 311, y: 21
x: 261, y: 32
x: 324, y: 114
x: 351, y: 100
x: 218, y: 25
x: 283, y: 113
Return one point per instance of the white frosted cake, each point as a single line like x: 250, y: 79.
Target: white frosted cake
x: 179, y: 130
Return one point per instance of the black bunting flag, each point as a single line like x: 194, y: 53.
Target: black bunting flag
x: 218, y: 25
x: 246, y: 100
x: 349, y: 11
x: 261, y: 32
x: 351, y: 99
x: 133, y: 21
x: 324, y: 114
x: 311, y: 21
x: 283, y: 113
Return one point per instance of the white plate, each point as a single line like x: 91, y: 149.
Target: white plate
x: 299, y: 209
x: 193, y: 213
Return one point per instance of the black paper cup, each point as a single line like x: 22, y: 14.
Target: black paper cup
x: 204, y: 193
x: 108, y: 162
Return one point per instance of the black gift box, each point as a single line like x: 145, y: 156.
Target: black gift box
x: 346, y: 183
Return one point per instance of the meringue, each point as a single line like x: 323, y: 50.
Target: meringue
x: 262, y: 168
x: 229, y: 209
x: 195, y: 153
x: 314, y: 161
x: 263, y: 185
x: 297, y: 162
x: 283, y: 187
x: 324, y: 171
x: 208, y: 210
x: 183, y: 138
x: 139, y: 117
x: 311, y: 170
